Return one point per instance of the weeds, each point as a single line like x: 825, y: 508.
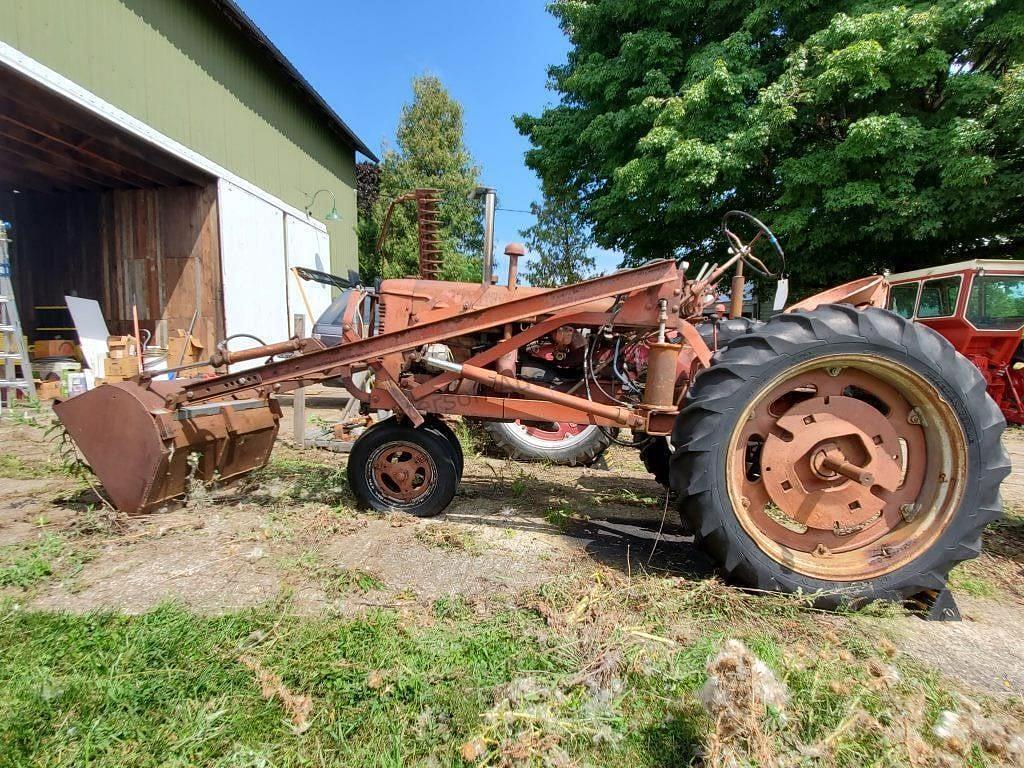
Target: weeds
x: 286, y: 478
x: 345, y: 581
x: 15, y: 467
x: 472, y: 437
x: 449, y: 536
x: 26, y: 566
x: 560, y: 515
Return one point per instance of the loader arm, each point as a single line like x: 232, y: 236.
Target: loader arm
x: 662, y: 279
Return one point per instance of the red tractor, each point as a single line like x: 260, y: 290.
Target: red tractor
x: 979, y: 306
x: 838, y: 449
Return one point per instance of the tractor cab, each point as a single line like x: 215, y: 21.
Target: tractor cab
x: 979, y: 306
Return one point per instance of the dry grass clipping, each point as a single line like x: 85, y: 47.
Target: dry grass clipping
x: 298, y: 708
x: 960, y: 731
x: 743, y: 698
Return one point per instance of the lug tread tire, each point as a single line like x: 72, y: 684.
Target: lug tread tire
x: 656, y: 456
x: 723, y: 389
x: 582, y: 454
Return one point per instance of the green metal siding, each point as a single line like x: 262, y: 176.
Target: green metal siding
x: 182, y: 68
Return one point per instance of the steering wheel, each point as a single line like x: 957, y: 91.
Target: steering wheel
x: 746, y: 250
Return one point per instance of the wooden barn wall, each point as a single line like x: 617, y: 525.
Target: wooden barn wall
x: 55, y: 251
x: 161, y: 251
x: 157, y: 248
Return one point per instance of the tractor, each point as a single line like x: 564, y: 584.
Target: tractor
x: 839, y: 449
x: 979, y: 307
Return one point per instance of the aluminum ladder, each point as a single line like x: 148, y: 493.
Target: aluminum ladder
x: 13, y: 353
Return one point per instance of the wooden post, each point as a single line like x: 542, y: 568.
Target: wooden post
x: 299, y: 395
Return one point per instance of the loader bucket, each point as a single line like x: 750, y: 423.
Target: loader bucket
x: 140, y: 450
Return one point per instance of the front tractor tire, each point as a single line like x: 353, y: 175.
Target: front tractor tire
x: 394, y: 467
x: 850, y: 454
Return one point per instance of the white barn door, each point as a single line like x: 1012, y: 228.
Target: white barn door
x: 306, y: 246
x: 252, y: 267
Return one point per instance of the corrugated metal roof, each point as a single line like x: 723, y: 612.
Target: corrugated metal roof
x: 231, y: 9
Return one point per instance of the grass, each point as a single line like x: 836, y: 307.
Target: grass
x: 961, y: 579
x: 472, y: 436
x: 335, y: 580
x: 290, y: 478
x: 23, y: 566
x: 450, y: 537
x: 15, y: 467
x: 342, y: 581
x: 559, y: 515
x: 600, y: 671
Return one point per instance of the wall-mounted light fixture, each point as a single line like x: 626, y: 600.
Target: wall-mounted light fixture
x: 331, y: 215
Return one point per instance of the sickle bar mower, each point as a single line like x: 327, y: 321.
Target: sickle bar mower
x: 838, y: 449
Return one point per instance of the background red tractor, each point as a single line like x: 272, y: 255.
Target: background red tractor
x: 979, y: 307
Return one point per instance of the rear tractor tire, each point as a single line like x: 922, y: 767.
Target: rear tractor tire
x: 394, y: 467
x: 559, y: 443
x: 848, y: 454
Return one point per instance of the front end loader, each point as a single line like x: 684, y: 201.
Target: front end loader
x: 837, y: 449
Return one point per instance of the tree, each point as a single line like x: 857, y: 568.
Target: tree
x: 430, y: 152
x: 367, y: 194
x: 561, y: 240
x: 867, y: 134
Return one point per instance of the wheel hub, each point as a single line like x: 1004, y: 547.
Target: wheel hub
x: 830, y: 457
x: 401, y: 472
x: 827, y: 464
x: 555, y: 432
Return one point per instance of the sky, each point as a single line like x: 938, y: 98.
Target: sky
x: 492, y: 56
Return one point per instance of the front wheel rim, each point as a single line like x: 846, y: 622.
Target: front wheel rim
x: 401, y: 474
x: 846, y: 467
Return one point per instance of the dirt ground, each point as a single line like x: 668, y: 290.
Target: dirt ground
x: 291, y: 532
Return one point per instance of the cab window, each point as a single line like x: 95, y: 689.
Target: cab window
x: 939, y: 297
x: 996, y: 302
x: 903, y: 298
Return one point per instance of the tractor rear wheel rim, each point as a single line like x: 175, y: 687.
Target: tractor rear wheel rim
x: 401, y: 473
x: 846, y: 467
x: 557, y: 434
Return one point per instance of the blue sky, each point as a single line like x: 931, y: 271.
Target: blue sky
x: 492, y: 56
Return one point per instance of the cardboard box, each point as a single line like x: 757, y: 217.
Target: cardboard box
x: 54, y: 348
x: 48, y: 390
x: 180, y: 342
x: 121, y: 346
x: 121, y: 366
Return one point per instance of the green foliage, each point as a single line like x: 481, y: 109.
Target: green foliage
x: 167, y: 688
x: 560, y: 239
x: 431, y: 153
x: 585, y: 672
x: 25, y: 566
x: 868, y: 134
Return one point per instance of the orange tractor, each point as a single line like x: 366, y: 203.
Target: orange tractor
x: 838, y: 449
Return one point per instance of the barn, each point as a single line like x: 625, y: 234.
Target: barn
x: 164, y: 155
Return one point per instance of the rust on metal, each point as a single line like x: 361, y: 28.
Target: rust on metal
x: 428, y: 221
x: 145, y: 454
x: 323, y: 364
x: 401, y: 472
x: 660, y: 386
x: 495, y: 380
x: 827, y: 461
x: 863, y: 292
